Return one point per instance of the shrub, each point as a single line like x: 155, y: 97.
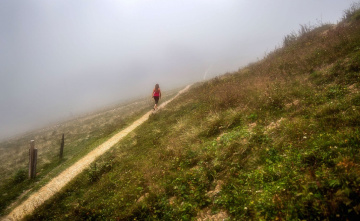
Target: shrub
x: 352, y: 13
x: 20, y: 176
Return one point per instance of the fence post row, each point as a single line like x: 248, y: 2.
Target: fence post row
x: 32, y: 160
x: 62, y: 147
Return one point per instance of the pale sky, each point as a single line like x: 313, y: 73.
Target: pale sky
x: 63, y: 57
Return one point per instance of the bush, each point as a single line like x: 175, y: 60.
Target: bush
x: 352, y: 13
x: 20, y: 176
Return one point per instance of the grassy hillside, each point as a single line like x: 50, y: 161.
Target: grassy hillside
x: 81, y: 136
x: 277, y: 140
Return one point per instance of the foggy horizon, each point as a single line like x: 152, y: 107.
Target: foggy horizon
x: 66, y: 58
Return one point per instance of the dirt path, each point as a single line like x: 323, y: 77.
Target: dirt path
x: 57, y: 183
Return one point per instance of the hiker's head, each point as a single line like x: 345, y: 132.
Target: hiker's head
x: 156, y: 86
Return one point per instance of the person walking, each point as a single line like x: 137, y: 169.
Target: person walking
x: 156, y: 94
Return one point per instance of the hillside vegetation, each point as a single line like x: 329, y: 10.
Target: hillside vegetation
x: 81, y: 136
x: 277, y: 140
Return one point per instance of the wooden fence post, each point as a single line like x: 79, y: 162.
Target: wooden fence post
x: 32, y: 160
x: 62, y: 147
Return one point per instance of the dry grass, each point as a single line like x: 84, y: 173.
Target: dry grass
x: 14, y: 152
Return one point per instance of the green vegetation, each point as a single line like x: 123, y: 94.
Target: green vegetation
x: 277, y: 140
x: 81, y: 136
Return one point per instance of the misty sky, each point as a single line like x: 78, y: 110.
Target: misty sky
x: 64, y: 57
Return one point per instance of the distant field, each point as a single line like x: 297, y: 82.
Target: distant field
x: 78, y: 134
x: 81, y: 136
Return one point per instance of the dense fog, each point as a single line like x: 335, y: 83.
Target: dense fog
x: 61, y: 58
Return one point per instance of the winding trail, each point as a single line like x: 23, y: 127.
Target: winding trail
x: 57, y: 183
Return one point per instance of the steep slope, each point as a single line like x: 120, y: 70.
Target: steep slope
x: 58, y: 182
x: 279, y: 139
x: 82, y: 135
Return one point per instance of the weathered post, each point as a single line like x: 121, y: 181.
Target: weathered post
x: 32, y: 160
x: 62, y: 147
